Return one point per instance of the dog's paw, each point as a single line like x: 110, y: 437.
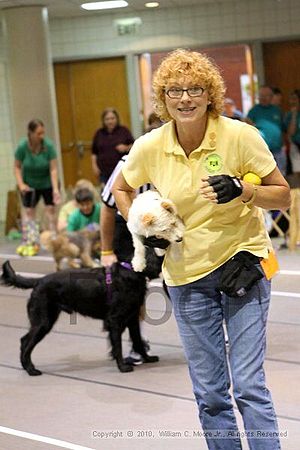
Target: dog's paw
x: 74, y: 265
x: 151, y: 359
x: 34, y: 372
x: 125, y: 368
x: 27, y: 365
x: 95, y: 265
x: 138, y: 265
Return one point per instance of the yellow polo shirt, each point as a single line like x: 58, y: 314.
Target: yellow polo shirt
x: 213, y: 232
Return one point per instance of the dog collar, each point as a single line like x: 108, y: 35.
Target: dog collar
x: 108, y: 279
x: 126, y: 265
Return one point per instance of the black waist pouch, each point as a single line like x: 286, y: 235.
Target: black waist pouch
x: 240, y: 274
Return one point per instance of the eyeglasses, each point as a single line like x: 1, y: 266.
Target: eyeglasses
x: 176, y: 92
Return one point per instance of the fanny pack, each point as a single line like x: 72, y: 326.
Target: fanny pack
x: 240, y: 274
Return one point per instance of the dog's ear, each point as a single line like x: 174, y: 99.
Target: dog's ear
x: 148, y: 219
x: 169, y: 206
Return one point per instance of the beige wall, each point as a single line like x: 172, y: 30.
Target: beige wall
x: 207, y: 24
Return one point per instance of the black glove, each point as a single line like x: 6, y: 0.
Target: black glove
x: 227, y: 188
x: 153, y: 241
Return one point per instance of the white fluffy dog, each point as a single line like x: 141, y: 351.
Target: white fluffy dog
x: 152, y: 215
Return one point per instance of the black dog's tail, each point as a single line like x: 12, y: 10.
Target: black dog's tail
x: 10, y: 278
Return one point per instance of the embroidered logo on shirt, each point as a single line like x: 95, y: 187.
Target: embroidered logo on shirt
x: 213, y: 163
x: 212, y: 137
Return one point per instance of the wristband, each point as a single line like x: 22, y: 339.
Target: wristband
x: 107, y: 252
x: 250, y: 202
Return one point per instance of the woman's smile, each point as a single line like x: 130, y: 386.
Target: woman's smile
x: 187, y: 110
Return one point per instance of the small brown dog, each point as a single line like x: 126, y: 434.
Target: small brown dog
x: 77, y: 244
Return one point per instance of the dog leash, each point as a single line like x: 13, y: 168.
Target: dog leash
x: 108, y: 279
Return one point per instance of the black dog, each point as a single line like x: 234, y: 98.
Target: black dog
x: 87, y: 292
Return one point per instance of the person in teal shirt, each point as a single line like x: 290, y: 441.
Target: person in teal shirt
x: 36, y: 174
x: 87, y: 215
x: 292, y: 126
x: 267, y: 118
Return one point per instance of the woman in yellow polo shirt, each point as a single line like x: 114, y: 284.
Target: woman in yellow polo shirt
x: 198, y: 159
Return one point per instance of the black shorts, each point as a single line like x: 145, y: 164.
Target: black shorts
x: 31, y: 198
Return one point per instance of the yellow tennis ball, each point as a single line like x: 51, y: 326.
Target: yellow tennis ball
x: 252, y: 178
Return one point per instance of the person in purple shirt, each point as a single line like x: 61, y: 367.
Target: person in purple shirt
x: 110, y: 143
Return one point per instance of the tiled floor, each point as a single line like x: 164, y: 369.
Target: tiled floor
x: 82, y: 393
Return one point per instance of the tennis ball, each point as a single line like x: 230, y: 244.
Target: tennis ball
x: 252, y: 178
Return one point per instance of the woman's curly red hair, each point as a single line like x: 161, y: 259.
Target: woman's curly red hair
x: 199, y: 68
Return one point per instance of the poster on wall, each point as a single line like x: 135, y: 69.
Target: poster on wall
x: 246, y: 93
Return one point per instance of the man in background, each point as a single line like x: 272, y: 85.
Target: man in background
x: 231, y: 111
x: 267, y: 118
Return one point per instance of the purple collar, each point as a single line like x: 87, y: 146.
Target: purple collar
x: 108, y: 281
x: 126, y: 265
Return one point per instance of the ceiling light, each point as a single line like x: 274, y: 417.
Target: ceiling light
x: 152, y: 4
x: 104, y: 5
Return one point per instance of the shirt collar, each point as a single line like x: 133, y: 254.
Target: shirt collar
x: 208, y: 143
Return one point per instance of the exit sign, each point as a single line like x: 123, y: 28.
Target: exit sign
x: 130, y: 26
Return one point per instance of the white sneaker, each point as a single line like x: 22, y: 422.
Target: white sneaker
x: 135, y: 358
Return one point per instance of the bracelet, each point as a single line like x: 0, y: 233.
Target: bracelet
x: 107, y: 252
x: 250, y: 202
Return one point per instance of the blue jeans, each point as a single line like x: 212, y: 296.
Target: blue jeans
x: 200, y: 308
x: 281, y: 160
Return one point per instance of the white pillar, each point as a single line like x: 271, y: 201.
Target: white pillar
x: 30, y: 72
x: 134, y: 92
x: 258, y: 58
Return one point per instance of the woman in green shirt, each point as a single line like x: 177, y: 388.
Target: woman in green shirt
x: 36, y: 175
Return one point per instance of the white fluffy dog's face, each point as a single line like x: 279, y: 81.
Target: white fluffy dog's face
x: 151, y: 215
